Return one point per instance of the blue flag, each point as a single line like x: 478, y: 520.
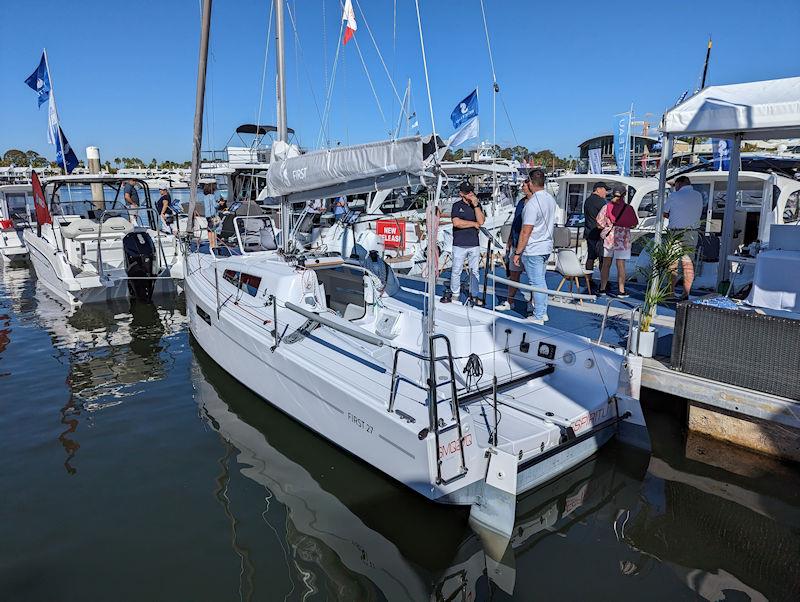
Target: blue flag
x: 722, y: 153
x: 72, y: 160
x: 39, y: 81
x: 465, y: 110
x: 622, y: 143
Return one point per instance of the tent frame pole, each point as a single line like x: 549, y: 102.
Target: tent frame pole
x: 730, y: 211
x: 666, y: 157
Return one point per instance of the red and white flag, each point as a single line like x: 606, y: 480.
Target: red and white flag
x: 40, y: 204
x: 350, y: 17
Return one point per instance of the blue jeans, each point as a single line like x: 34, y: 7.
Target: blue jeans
x: 535, y: 268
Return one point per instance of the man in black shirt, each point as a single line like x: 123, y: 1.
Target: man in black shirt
x: 467, y: 217
x: 591, y: 231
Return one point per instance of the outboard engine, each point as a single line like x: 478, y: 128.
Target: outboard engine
x: 140, y: 264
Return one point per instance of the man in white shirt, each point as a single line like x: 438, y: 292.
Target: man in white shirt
x: 536, y: 239
x: 684, y: 208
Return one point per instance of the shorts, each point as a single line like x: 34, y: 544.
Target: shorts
x: 510, y: 267
x: 618, y: 254
x: 594, y: 249
x: 690, y: 238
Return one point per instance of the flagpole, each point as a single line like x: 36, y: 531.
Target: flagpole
x: 58, y: 121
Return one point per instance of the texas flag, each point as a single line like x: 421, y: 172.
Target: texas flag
x: 350, y: 16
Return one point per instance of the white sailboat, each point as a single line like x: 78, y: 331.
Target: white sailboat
x: 462, y: 405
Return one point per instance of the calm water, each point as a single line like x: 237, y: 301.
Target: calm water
x: 135, y: 469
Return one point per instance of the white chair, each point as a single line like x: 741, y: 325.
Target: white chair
x: 570, y: 268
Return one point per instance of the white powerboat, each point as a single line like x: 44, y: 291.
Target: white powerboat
x: 95, y: 247
x: 15, y: 199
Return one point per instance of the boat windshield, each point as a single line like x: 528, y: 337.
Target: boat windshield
x: 101, y: 200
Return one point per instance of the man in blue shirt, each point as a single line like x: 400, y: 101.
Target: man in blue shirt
x: 513, y: 271
x: 467, y: 217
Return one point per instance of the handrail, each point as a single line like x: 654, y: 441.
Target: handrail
x: 352, y: 331
x: 635, y: 308
x: 546, y: 291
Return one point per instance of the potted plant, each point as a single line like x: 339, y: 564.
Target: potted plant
x: 664, y: 255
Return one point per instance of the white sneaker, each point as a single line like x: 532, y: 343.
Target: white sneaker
x: 536, y: 321
x: 546, y: 318
x: 504, y: 306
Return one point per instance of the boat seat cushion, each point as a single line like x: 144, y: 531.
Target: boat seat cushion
x: 114, y: 227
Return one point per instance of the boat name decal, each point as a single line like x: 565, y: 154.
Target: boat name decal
x: 360, y: 422
x: 448, y: 449
x: 591, y: 418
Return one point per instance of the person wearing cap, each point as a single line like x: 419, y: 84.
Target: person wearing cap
x: 592, y: 206
x: 514, y: 271
x: 684, y: 208
x: 467, y: 217
x: 616, y: 219
x: 536, y: 239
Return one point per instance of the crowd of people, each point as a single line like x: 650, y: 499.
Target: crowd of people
x: 609, y: 220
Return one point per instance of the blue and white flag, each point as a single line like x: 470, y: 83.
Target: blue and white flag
x: 72, y: 159
x: 39, y: 81
x: 465, y: 120
x: 622, y: 143
x: 722, y: 154
x: 595, y: 161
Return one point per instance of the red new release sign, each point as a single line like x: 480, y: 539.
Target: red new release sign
x: 393, y: 233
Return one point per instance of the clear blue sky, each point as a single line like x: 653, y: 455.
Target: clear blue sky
x: 124, y: 72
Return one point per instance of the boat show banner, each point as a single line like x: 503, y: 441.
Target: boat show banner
x: 595, y: 161
x: 622, y: 143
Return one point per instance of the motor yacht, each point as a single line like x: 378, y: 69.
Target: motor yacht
x: 93, y: 246
x: 15, y: 200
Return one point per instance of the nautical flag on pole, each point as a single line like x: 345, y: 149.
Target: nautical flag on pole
x: 39, y: 81
x: 42, y: 212
x: 349, y: 16
x: 465, y: 120
x: 72, y: 159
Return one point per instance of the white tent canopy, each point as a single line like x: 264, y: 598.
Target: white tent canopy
x: 756, y: 110
x: 753, y: 111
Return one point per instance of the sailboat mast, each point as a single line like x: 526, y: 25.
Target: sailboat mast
x: 202, y: 63
x: 280, y: 98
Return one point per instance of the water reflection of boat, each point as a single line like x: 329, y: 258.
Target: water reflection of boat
x: 110, y: 347
x: 108, y: 350
x: 367, y: 537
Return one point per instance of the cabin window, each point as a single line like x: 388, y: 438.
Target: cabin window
x: 203, y: 314
x: 232, y: 277
x: 246, y: 282
x: 791, y: 212
x: 249, y: 283
x: 648, y: 204
x: 575, y: 196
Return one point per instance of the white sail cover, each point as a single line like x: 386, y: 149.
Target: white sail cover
x: 347, y: 170
x: 758, y: 110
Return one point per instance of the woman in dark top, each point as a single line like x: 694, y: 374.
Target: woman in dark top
x: 165, y: 211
